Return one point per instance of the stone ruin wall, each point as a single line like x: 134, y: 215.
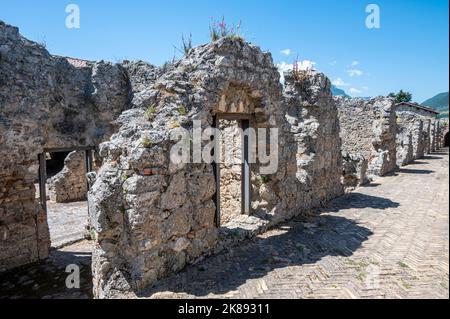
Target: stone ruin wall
x: 416, y: 135
x: 368, y: 134
x: 70, y: 184
x: 356, y: 136
x: 438, y: 137
x: 354, y: 171
x: 152, y: 217
x: 438, y: 127
x: 313, y: 136
x: 45, y: 103
x: 410, y: 132
x: 441, y: 126
x: 427, y: 136
x: 433, y: 136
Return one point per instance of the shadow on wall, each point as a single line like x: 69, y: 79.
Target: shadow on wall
x: 294, y: 244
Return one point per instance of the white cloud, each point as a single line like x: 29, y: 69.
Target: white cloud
x: 286, y: 52
x: 340, y: 83
x: 355, y: 72
x: 354, y: 91
x: 355, y: 63
x: 283, y: 67
x: 305, y: 65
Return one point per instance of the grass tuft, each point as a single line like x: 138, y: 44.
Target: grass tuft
x: 147, y: 142
x: 150, y: 113
x: 220, y: 29
x: 182, y: 110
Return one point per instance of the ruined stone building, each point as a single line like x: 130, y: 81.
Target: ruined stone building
x: 47, y: 104
x: 70, y: 184
x: 417, y: 132
x: 441, y: 135
x: 368, y: 134
x: 152, y: 215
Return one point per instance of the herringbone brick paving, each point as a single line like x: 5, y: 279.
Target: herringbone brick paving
x: 389, y: 239
x: 386, y: 240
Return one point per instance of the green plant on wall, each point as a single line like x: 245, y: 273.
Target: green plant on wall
x: 264, y: 179
x: 186, y: 45
x: 150, y: 112
x: 147, y: 142
x: 182, y: 110
x: 220, y: 29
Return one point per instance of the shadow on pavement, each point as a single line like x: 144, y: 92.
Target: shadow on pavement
x: 293, y: 244
x: 415, y: 171
x: 47, y: 280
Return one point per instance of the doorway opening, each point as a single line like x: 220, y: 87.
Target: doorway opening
x: 232, y: 168
x: 63, y: 187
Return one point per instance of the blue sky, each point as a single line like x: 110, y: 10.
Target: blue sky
x: 410, y: 51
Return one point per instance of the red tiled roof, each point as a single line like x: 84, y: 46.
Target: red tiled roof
x: 78, y: 63
x: 420, y: 107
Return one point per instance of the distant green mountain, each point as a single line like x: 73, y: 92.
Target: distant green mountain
x: 439, y: 103
x: 336, y: 91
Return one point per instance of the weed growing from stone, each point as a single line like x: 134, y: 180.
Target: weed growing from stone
x: 150, y: 113
x: 187, y: 45
x: 92, y: 234
x: 182, y: 110
x: 298, y: 73
x: 146, y: 142
x: 361, y: 276
x: 264, y: 179
x: 219, y: 29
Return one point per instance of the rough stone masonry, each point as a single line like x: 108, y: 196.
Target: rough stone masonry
x: 416, y: 132
x: 46, y: 103
x: 70, y: 184
x: 152, y: 216
x: 368, y: 133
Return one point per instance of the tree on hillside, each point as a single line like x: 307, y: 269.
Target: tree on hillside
x: 401, y: 96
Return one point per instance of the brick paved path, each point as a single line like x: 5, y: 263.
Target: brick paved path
x: 67, y: 222
x: 387, y: 240
x: 47, y: 280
